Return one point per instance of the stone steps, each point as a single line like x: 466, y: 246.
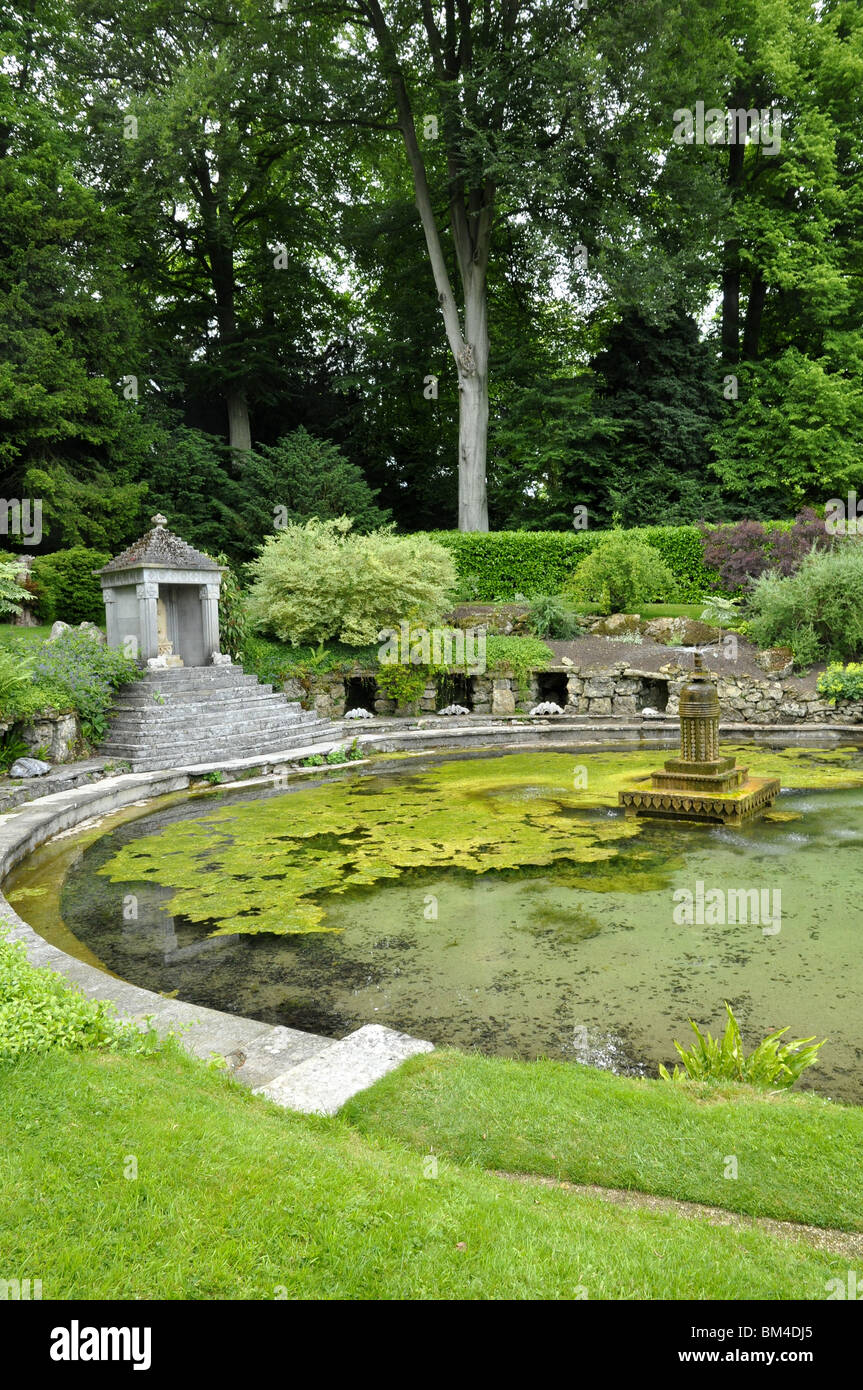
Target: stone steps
x: 196, y: 731
x: 197, y: 754
x: 190, y: 716
x: 190, y: 696
x: 235, y: 712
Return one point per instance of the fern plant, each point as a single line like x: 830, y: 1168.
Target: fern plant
x: 14, y: 676
x: 12, y: 747
x: 773, y: 1063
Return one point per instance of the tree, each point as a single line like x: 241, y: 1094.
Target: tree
x: 191, y: 122
x: 300, y: 477
x: 67, y: 319
x: 515, y: 87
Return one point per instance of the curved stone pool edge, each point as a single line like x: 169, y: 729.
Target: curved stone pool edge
x: 301, y: 1071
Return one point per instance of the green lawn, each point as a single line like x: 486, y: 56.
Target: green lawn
x: 235, y: 1199
x: 34, y: 635
x: 797, y: 1155
x: 652, y: 610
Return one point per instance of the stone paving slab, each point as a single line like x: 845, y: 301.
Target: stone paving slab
x: 322, y: 1085
x: 272, y: 1053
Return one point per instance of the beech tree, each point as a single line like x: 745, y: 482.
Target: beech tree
x: 523, y: 125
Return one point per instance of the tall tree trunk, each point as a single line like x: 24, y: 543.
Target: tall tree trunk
x: 471, y: 238
x: 754, y: 313
x: 219, y: 242
x: 239, y: 429
x: 731, y: 261
x: 472, y: 364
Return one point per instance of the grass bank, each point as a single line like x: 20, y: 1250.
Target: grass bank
x: 797, y: 1156
x: 152, y: 1177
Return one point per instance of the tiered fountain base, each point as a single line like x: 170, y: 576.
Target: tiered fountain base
x: 727, y: 797
x: 701, y: 785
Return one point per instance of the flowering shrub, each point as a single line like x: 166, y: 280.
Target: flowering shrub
x: 840, y: 682
x: 74, y: 672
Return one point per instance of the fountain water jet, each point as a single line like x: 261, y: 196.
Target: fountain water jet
x: 700, y: 785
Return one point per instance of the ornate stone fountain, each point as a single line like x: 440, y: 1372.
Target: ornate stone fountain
x: 700, y: 785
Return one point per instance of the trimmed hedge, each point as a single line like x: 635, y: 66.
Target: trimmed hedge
x: 505, y: 563
x: 69, y: 590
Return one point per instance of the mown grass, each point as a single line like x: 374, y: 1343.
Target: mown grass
x: 234, y: 1199
x: 652, y: 610
x: 35, y: 636
x: 797, y: 1155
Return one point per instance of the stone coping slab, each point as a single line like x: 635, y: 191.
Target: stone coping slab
x: 321, y: 1085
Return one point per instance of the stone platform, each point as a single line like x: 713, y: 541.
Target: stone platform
x: 733, y: 807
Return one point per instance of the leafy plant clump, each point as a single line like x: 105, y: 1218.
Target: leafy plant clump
x: 74, y: 672
x: 550, y: 617
x: 12, y: 747
x: 233, y: 620
x: 322, y: 580
x: 335, y: 757
x: 622, y: 571
x: 817, y: 612
x: 773, y: 1063
x: 14, y: 676
x: 404, y: 683
x: 39, y: 1013
x: 520, y: 655
x: 840, y: 682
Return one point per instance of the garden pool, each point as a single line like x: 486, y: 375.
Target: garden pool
x: 499, y: 903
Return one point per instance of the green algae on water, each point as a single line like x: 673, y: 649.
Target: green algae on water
x: 262, y: 866
x: 269, y: 865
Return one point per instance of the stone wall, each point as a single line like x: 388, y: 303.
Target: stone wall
x: 58, y: 734
x: 619, y: 691
x: 745, y: 699
x: 622, y: 691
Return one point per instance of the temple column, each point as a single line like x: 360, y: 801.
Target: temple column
x: 148, y: 626
x: 209, y: 594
